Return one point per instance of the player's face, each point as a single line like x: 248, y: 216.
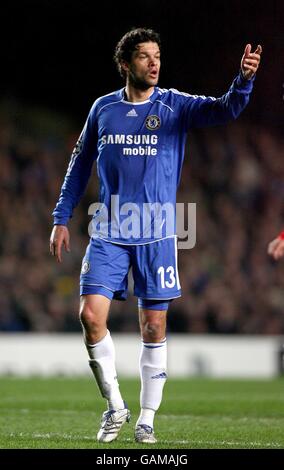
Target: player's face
x: 144, y: 68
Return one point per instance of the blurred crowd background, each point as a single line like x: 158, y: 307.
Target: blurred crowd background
x: 56, y: 59
x: 235, y: 175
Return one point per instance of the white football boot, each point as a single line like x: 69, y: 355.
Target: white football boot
x: 111, y: 423
x: 144, y: 434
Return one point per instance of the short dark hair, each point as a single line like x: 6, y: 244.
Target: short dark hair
x: 128, y: 43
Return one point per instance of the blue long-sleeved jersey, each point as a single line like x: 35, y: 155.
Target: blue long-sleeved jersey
x: 139, y: 151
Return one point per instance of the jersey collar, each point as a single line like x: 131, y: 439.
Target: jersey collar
x: 151, y: 98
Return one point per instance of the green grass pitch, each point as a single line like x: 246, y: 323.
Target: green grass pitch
x: 64, y: 413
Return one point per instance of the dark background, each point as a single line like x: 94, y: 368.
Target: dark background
x: 59, y: 53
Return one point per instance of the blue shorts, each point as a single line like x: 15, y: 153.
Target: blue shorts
x: 106, y: 265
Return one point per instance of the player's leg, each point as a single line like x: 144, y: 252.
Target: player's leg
x: 152, y: 365
x: 99, y: 283
x: 156, y: 283
x: 94, y: 311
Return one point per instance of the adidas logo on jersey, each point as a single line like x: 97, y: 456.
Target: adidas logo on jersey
x: 132, y: 112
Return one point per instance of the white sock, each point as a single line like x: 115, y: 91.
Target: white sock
x: 102, y: 363
x: 153, y: 366
x: 146, y: 417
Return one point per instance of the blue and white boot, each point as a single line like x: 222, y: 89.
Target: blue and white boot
x: 111, y: 423
x: 144, y: 434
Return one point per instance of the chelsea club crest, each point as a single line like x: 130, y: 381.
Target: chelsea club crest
x: 153, y: 122
x: 85, y: 267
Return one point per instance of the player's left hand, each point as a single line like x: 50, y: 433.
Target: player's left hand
x: 250, y: 61
x: 276, y: 248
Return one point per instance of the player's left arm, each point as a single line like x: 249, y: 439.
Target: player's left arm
x: 201, y: 111
x: 250, y: 61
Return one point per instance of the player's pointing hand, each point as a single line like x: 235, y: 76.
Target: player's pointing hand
x: 250, y: 61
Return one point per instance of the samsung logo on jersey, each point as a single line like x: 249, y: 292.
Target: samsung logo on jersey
x: 130, y: 139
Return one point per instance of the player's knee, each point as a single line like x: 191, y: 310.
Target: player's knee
x: 89, y: 320
x: 153, y: 332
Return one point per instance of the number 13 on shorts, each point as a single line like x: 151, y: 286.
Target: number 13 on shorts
x: 155, y: 270
x: 167, y: 277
